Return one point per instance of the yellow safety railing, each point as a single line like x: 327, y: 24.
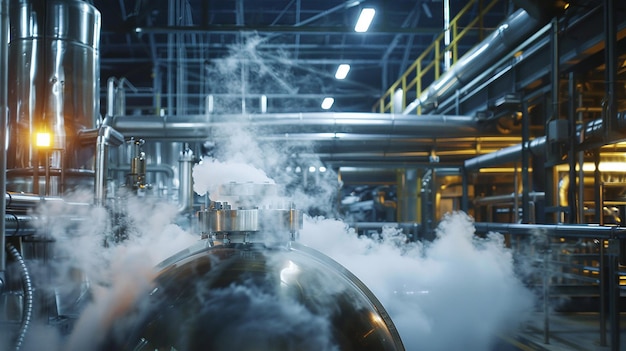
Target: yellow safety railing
x: 414, y: 76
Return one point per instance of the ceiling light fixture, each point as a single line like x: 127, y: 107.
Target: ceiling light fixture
x: 365, y: 19
x: 342, y: 71
x: 327, y: 103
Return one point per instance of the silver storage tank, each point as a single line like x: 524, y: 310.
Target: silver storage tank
x: 54, y: 88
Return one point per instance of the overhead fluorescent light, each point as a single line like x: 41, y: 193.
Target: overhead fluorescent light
x: 327, y: 103
x: 342, y: 71
x: 365, y: 19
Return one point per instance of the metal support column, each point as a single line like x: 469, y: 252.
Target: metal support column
x: 465, y: 195
x: 614, y: 313
x: 525, y: 163
x: 546, y: 293
x: 602, y: 283
x: 571, y: 151
x: 610, y: 41
x: 553, y: 147
x: 597, y: 191
x: 4, y: 57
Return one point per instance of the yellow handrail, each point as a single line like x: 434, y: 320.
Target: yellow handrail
x: 414, y: 76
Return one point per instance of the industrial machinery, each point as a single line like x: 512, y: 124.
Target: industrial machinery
x: 246, y: 250
x: 246, y: 282
x: 248, y: 285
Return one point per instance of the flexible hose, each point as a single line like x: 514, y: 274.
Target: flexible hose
x: 28, y: 296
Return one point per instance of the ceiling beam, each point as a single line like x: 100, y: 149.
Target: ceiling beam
x: 318, y: 30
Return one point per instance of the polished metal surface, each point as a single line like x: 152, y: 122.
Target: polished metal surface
x: 327, y: 124
x: 254, y: 297
x: 53, y: 52
x: 222, y: 223
x: 510, y: 33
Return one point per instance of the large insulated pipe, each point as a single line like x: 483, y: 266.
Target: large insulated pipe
x: 508, y: 35
x: 504, y: 155
x: 200, y: 127
x: 19, y: 202
x: 566, y: 230
x: 53, y: 52
x: 4, y: 54
x: 590, y: 132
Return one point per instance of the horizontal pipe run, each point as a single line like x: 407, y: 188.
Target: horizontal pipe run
x: 18, y: 225
x: 557, y: 230
x: 202, y: 127
x: 23, y: 202
x: 590, y: 132
x: 508, y: 198
x: 504, y: 155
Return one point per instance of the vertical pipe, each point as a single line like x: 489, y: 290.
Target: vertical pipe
x: 156, y: 86
x: 107, y: 137
x: 111, y: 96
x: 465, y: 196
x: 244, y: 87
x: 119, y: 107
x: 171, y: 16
x: 610, y: 39
x: 597, y: 188
x: 515, y: 193
x: 185, y: 189
x: 525, y: 163
x: 581, y: 171
x: 546, y: 293
x: 101, y: 169
x: 602, y: 269
x: 614, y: 293
x: 46, y: 173
x: 4, y: 84
x: 409, y: 202
x: 552, y: 149
x: 571, y: 152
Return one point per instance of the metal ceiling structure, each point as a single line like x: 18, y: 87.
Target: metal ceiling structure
x: 174, y: 54
x: 182, y: 66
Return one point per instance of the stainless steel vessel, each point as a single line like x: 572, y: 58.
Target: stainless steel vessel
x: 252, y: 296
x: 54, y: 89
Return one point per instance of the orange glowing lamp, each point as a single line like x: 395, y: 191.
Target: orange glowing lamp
x: 43, y: 140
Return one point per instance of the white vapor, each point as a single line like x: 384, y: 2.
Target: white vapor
x: 110, y: 276
x: 458, y: 292
x: 211, y: 174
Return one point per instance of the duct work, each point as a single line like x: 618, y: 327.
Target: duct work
x: 199, y: 127
x: 508, y: 35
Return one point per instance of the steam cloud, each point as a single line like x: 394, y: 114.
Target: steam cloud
x: 459, y: 292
